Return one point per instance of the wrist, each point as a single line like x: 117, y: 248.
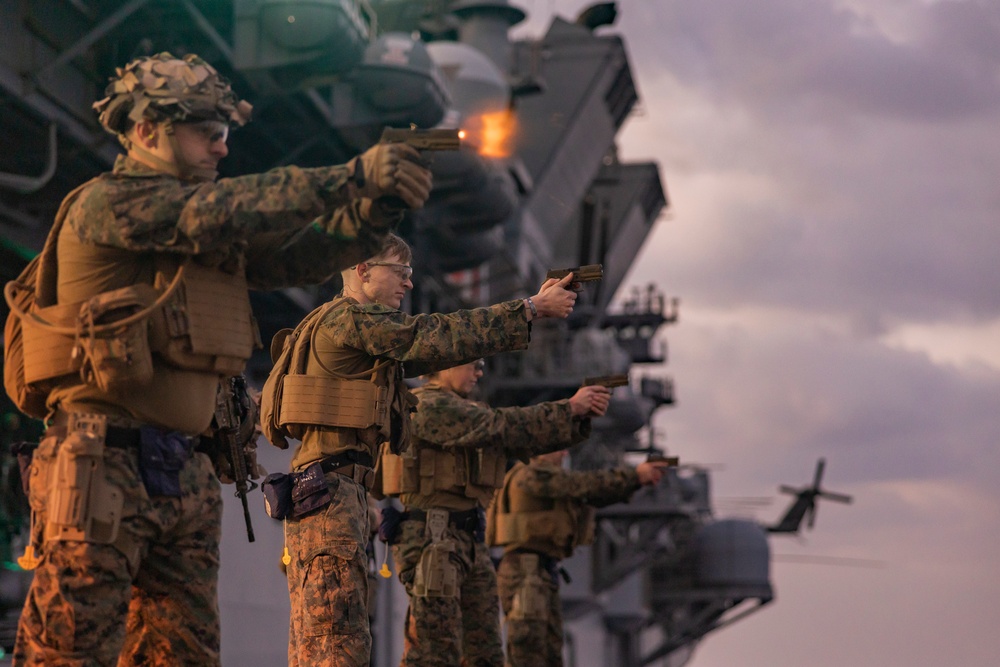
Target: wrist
x: 530, y: 307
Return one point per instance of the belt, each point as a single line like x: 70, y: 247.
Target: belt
x: 467, y: 520
x: 117, y: 437
x: 353, y: 464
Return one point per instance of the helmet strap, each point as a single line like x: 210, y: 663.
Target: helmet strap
x: 179, y: 168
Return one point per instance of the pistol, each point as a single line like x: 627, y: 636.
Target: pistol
x: 423, y: 140
x: 672, y: 461
x: 609, y: 381
x: 581, y: 274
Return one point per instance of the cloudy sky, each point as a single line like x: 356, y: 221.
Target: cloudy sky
x: 833, y: 236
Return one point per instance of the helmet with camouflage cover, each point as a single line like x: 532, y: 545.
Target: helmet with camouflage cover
x: 164, y: 88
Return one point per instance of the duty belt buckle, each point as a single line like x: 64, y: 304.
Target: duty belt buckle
x: 88, y: 423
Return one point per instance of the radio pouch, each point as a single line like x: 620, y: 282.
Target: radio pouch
x: 310, y: 490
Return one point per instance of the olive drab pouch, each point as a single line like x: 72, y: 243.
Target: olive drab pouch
x: 116, y: 356
x: 161, y: 458
x: 310, y: 490
x: 436, y: 575
x: 277, y: 488
x: 530, y: 602
x: 81, y: 504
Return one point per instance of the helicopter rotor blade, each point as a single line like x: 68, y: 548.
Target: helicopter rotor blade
x: 820, y: 465
x: 837, y: 497
x: 784, y: 488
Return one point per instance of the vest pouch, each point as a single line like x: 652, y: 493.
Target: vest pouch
x: 277, y: 488
x: 438, y: 470
x: 48, y: 352
x: 488, y: 468
x: 530, y: 602
x: 116, y: 358
x: 310, y: 490
x: 327, y: 401
x: 207, y: 324
x: 81, y: 505
x: 392, y: 474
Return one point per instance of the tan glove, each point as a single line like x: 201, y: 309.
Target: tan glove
x: 393, y: 170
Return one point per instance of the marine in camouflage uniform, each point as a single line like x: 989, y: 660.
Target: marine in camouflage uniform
x: 362, y: 337
x: 457, y: 461
x: 540, y: 515
x: 144, y: 592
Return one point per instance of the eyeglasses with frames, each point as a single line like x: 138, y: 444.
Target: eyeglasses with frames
x: 210, y: 130
x: 404, y: 271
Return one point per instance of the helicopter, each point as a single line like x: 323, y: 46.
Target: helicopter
x: 696, y: 573
x: 804, y: 506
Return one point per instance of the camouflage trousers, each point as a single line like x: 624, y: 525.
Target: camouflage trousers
x: 150, y: 598
x: 536, y: 641
x: 450, y: 631
x: 328, y: 580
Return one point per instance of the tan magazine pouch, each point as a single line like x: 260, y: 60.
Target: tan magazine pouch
x: 117, y: 357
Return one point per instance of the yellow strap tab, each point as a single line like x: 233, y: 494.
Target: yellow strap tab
x: 29, y: 561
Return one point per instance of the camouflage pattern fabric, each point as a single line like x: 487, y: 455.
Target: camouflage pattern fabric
x: 447, y: 632
x: 448, y: 421
x: 533, y: 643
x: 305, y: 222
x: 162, y: 87
x: 530, y: 643
x: 466, y: 630
x: 352, y: 338
x: 328, y: 581
x: 94, y: 605
x: 597, y: 488
x: 445, y: 419
x: 295, y: 226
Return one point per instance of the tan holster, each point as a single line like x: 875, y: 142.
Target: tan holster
x: 530, y: 602
x: 81, y: 505
x: 436, y: 575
